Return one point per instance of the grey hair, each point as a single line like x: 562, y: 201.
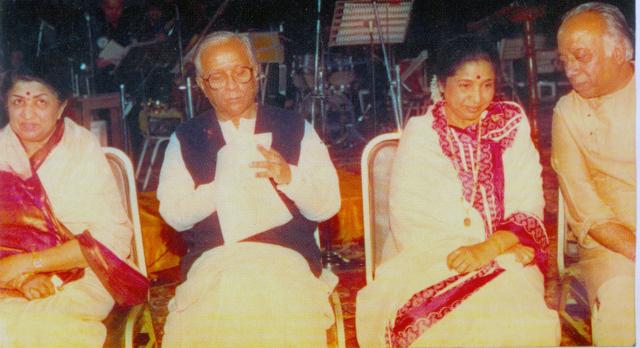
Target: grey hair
x: 617, y: 27
x: 222, y: 36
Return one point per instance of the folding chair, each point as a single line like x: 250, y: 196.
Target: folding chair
x: 129, y: 326
x: 376, y: 163
x: 573, y: 299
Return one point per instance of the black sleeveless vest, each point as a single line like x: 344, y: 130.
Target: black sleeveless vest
x: 200, y: 140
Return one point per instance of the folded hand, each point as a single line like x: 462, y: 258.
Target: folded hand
x: 37, y: 286
x: 471, y: 257
x: 274, y: 167
x: 523, y: 254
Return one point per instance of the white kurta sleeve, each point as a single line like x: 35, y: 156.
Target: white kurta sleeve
x: 182, y: 205
x: 314, y: 184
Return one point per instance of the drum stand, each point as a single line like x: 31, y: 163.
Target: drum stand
x: 330, y: 258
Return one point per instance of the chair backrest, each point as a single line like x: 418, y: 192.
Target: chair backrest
x: 376, y: 163
x: 123, y: 172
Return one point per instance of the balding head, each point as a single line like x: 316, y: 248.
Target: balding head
x: 595, y: 52
x: 222, y: 36
x: 616, y: 30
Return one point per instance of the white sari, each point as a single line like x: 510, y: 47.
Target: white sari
x: 83, y: 195
x: 428, y: 222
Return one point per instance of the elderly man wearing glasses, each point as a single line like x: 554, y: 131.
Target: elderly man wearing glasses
x: 247, y: 185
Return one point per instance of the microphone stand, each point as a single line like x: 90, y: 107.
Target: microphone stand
x: 330, y: 258
x: 92, y: 62
x: 397, y: 111
x: 373, y: 80
x: 188, y: 97
x: 318, y: 90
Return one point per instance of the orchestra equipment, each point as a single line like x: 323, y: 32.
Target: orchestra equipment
x: 340, y: 116
x: 353, y: 22
x: 340, y: 69
x: 360, y: 23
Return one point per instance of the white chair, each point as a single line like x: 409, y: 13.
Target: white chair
x: 376, y: 162
x: 572, y: 292
x: 129, y: 327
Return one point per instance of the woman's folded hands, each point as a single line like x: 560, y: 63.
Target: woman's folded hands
x: 472, y: 257
x: 469, y: 258
x: 17, y: 272
x: 37, y: 286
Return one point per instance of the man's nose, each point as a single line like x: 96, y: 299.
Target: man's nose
x: 570, y: 67
x: 231, y: 83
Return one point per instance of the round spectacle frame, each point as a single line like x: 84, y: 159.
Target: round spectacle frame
x: 218, y: 80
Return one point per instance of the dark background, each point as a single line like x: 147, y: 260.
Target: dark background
x: 431, y: 21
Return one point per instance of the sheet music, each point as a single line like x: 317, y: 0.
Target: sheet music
x: 113, y: 52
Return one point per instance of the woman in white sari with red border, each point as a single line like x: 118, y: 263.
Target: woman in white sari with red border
x: 466, y: 274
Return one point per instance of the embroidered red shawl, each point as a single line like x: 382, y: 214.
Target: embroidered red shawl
x: 27, y: 224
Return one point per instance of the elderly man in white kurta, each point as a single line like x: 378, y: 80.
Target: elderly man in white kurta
x: 593, y: 153
x: 247, y: 184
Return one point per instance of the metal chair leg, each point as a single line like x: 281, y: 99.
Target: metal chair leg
x: 159, y: 141
x: 142, y: 153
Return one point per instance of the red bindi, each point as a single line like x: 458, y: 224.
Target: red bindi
x: 28, y: 93
x: 477, y: 77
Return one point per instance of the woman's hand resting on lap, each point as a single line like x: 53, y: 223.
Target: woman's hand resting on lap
x: 472, y: 257
x: 523, y: 254
x: 37, y: 286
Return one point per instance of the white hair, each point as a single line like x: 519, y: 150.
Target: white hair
x: 222, y: 36
x: 617, y: 28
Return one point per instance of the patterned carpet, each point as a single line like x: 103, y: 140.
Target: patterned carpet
x: 351, y: 273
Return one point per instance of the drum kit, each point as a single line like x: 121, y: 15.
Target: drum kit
x: 335, y: 109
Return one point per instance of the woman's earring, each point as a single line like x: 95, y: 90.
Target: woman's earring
x: 436, y: 92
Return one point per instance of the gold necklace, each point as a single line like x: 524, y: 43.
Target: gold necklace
x: 475, y: 168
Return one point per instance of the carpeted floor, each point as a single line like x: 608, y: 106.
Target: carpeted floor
x: 351, y: 273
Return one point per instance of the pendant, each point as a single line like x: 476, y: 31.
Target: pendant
x: 467, y: 221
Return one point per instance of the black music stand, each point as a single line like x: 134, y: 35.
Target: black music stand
x: 369, y: 23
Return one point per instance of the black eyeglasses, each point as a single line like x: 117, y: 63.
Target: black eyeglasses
x: 240, y: 74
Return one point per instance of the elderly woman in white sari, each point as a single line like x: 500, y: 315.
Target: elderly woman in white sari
x: 63, y: 230
x: 466, y: 205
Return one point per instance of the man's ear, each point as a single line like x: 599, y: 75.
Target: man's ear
x: 619, y: 53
